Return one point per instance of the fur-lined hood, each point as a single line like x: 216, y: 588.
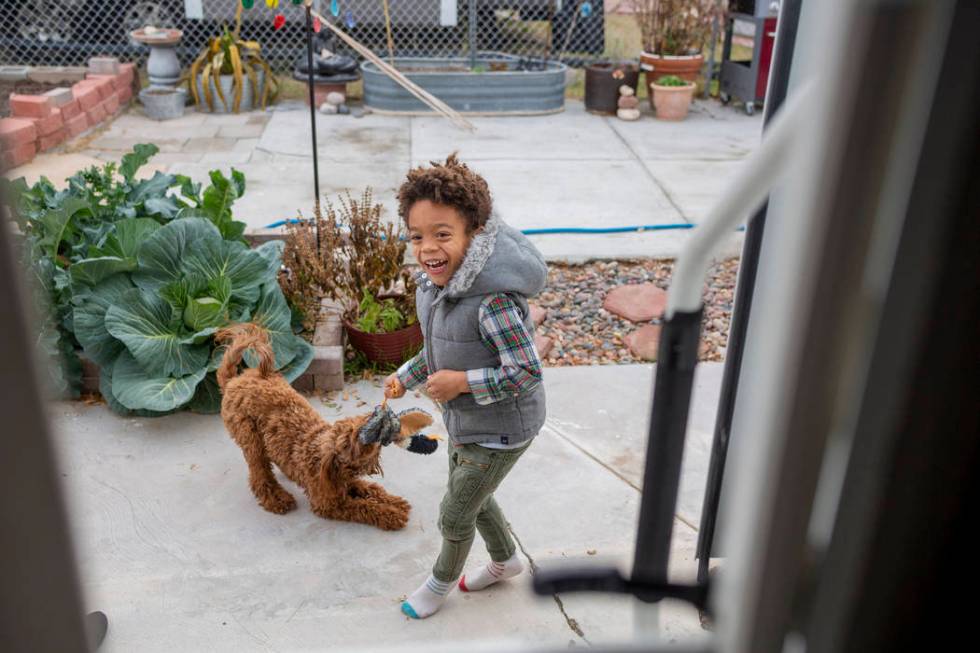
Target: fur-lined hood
x: 499, y: 259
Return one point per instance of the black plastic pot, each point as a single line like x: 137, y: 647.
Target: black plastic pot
x: 602, y: 82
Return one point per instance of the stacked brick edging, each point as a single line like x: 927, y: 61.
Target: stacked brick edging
x: 41, y: 122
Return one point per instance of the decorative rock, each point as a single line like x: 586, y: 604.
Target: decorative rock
x: 644, y: 342
x: 328, y: 108
x: 343, y: 109
x: 628, y: 102
x: 626, y: 90
x: 636, y: 303
x: 538, y: 314
x: 543, y: 344
x: 628, y: 114
x: 335, y: 98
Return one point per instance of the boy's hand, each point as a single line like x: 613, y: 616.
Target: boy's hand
x: 446, y: 385
x: 394, y: 388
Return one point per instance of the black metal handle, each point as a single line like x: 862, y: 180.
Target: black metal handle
x: 557, y: 581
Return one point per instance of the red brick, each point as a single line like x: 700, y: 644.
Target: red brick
x: 77, y: 125
x: 128, y: 71
x: 71, y: 110
x: 17, y: 156
x: 47, y: 142
x: 125, y: 94
x: 87, y: 95
x: 111, y: 104
x: 112, y: 79
x: 29, y: 106
x: 15, y: 132
x: 96, y: 114
x: 105, y: 87
x: 49, y: 125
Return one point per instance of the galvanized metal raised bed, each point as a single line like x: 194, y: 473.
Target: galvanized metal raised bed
x: 496, y: 84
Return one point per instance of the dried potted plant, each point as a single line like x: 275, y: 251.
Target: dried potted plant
x: 361, y: 266
x: 671, y: 97
x: 673, y: 33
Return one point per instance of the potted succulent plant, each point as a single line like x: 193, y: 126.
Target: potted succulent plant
x: 230, y: 74
x: 673, y: 33
x: 670, y: 97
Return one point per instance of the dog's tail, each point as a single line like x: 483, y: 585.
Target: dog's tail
x: 239, y: 338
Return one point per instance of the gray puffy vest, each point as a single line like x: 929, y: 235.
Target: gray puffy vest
x: 499, y: 260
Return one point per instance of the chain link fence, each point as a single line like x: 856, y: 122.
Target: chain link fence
x: 68, y: 32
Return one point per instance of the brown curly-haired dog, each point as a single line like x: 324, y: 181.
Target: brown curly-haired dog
x: 272, y: 423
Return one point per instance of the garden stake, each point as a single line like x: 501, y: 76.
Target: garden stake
x: 316, y: 167
x: 391, y: 41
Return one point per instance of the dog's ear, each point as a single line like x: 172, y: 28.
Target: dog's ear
x: 412, y: 421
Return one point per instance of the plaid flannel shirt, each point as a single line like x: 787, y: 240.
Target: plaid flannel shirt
x: 503, y: 332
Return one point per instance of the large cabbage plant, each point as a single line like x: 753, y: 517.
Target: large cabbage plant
x: 147, y: 303
x: 99, y: 211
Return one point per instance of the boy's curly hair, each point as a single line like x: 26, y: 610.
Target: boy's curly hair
x: 452, y: 184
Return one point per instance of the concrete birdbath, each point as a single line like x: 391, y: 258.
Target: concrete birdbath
x: 162, y: 67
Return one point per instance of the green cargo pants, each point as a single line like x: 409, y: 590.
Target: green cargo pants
x: 474, y: 474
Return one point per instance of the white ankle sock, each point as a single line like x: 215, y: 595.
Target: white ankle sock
x: 427, y: 599
x: 490, y: 573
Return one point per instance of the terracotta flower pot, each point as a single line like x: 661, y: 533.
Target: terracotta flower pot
x: 671, y: 102
x: 687, y: 67
x: 390, y: 348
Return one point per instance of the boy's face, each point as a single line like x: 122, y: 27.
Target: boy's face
x: 439, y: 239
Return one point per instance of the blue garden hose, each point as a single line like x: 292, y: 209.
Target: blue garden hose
x: 560, y: 230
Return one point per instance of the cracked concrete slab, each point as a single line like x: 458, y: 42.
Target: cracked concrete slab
x: 172, y: 546
x: 707, y: 134
x: 616, y: 437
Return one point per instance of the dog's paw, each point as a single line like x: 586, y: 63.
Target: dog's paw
x: 279, y: 502
x: 395, y: 520
x: 400, y: 504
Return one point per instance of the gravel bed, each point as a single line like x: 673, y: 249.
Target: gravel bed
x: 586, y: 334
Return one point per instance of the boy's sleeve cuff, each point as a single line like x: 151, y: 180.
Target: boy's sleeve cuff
x: 480, y: 386
x: 408, y: 374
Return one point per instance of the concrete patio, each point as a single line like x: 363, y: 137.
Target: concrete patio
x: 172, y: 546
x: 571, y: 169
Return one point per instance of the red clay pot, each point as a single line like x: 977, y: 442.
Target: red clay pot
x: 687, y: 67
x: 389, y: 348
